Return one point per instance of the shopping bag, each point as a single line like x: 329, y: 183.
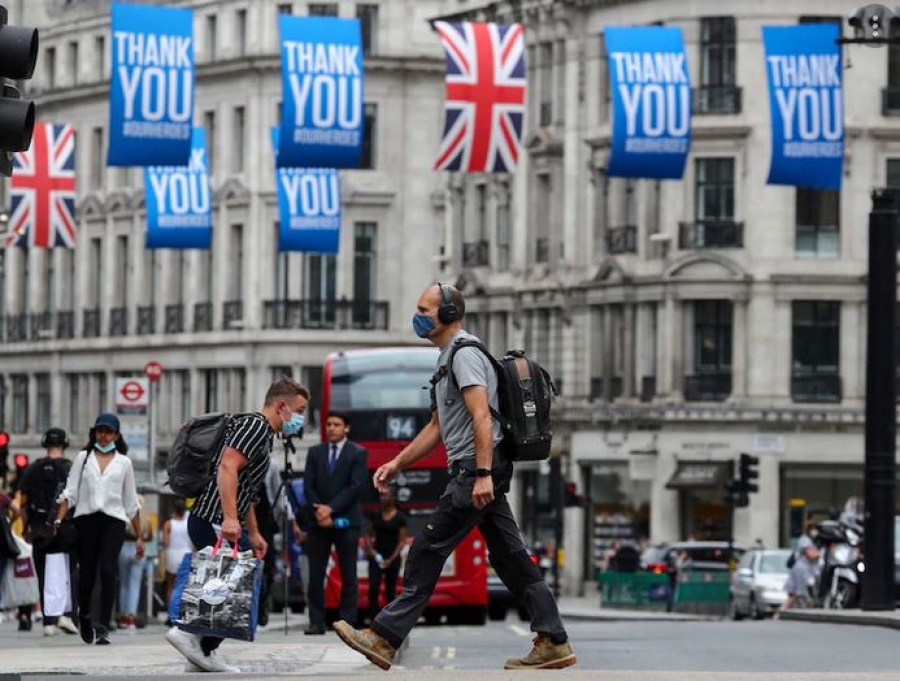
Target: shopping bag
x: 20, y: 583
x: 217, y: 593
x: 57, y: 589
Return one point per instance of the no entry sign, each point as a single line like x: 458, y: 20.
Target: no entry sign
x: 132, y: 396
x: 153, y: 371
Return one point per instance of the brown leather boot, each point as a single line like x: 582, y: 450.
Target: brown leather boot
x: 545, y: 655
x: 376, y: 649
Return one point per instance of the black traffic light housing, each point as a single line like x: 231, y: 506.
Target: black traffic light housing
x: 747, y: 473
x: 4, y: 456
x: 572, y: 497
x: 18, y: 56
x: 21, y: 463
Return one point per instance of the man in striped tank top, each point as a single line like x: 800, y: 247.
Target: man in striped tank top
x: 227, y: 506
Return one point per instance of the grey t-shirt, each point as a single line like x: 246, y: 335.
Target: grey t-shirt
x: 471, y: 368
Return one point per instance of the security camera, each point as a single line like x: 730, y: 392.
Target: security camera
x: 871, y: 23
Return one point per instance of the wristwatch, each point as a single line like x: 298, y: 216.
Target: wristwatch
x: 57, y: 522
x: 482, y: 472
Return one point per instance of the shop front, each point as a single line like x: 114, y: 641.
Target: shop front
x: 702, y: 511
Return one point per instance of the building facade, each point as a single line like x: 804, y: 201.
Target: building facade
x: 685, y: 321
x: 224, y: 322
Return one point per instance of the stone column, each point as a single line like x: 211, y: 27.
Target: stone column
x: 739, y: 345
x: 675, y: 336
x: 628, y: 370
x: 607, y: 347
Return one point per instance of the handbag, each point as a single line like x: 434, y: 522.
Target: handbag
x: 65, y: 535
x: 57, y: 587
x: 217, y: 593
x: 20, y: 583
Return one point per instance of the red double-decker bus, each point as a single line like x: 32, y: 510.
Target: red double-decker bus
x: 385, y: 392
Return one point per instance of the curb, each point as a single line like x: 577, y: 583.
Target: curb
x: 611, y: 616
x: 823, y: 617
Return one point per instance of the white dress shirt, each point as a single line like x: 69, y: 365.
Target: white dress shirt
x: 112, y: 492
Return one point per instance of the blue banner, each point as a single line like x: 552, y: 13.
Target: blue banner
x: 322, y: 84
x: 151, y: 97
x: 651, y: 102
x: 806, y: 98
x: 179, y: 202
x: 309, y: 207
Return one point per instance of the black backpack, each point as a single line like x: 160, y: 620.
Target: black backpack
x: 524, y: 392
x: 199, y: 439
x: 44, y: 484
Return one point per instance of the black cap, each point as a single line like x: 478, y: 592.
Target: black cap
x: 55, y: 437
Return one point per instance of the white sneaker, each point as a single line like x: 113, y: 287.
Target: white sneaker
x: 214, y: 663
x: 51, y: 630
x: 66, y: 625
x: 188, y: 645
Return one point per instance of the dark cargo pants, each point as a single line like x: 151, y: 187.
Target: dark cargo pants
x: 454, y: 517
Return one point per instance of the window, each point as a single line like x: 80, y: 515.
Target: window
x: 20, y: 403
x: 285, y: 8
x: 240, y: 135
x: 279, y: 372
x: 368, y: 23
x: 323, y: 9
x: 25, y: 284
x: 210, y: 390
x: 100, y: 56
x: 67, y: 300
x: 50, y: 283
x: 151, y: 263
x: 815, y: 351
x: 42, y: 408
x: 893, y: 172
x: 282, y: 269
x: 321, y: 287
x: 717, y: 92
x: 97, y: 158
x: 503, y: 228
x: 891, y: 102
x: 102, y: 396
x: 818, y: 223
x: 240, y: 30
x: 545, y: 65
x: 184, y: 382
x: 74, y: 382
x: 542, y: 224
x: 123, y: 265
x: 715, y: 190
x: 73, y: 61
x: 212, y: 38
x: 365, y: 238
x: 311, y: 377
x: 481, y: 207
x: 97, y: 270
x: 712, y: 336
x: 236, y: 276
x: 50, y: 67
x: 209, y: 122
x: 367, y: 158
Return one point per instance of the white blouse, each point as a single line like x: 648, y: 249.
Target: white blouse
x: 112, y: 492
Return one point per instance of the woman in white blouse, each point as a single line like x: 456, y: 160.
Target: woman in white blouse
x: 102, y: 490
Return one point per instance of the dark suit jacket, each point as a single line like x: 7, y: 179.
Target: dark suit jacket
x: 342, y: 490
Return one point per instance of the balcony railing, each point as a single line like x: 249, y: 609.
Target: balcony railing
x: 326, y: 314
x: 146, y: 320
x: 821, y: 388
x: 476, y: 254
x: 232, y: 314
x: 711, y: 234
x: 648, y: 388
x: 717, y: 99
x: 621, y: 240
x: 712, y: 387
x: 118, y: 321
x: 16, y: 328
x: 598, y: 385
x: 40, y: 326
x: 542, y: 249
x: 174, y: 318
x: 65, y: 324
x: 90, y: 327
x: 203, y: 317
x: 890, y: 101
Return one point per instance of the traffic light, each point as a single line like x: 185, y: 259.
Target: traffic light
x: 18, y: 56
x: 572, y: 496
x: 21, y: 461
x: 735, y: 496
x: 747, y: 473
x: 4, y: 456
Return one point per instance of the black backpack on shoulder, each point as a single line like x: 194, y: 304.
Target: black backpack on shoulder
x: 189, y: 465
x: 524, y: 392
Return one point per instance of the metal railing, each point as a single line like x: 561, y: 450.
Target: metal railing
x: 621, y: 240
x: 90, y: 323
x: 326, y: 314
x: 648, y: 388
x: 598, y: 386
x: 203, y: 317
x: 232, y: 314
x: 40, y: 326
x: 65, y: 324
x: 711, y: 234
x: 712, y: 387
x: 818, y: 388
x: 16, y: 328
x: 118, y: 321
x: 174, y: 322
x: 717, y: 99
x: 542, y: 249
x: 476, y: 254
x: 146, y: 320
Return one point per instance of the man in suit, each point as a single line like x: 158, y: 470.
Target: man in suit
x: 336, y: 473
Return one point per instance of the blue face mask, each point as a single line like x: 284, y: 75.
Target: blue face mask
x: 294, y: 426
x: 105, y: 449
x: 423, y: 325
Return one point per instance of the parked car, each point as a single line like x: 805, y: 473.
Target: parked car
x: 757, y: 586
x: 670, y: 557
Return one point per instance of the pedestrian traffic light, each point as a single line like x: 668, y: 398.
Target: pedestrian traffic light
x: 18, y: 56
x: 747, y: 473
x: 4, y: 456
x: 572, y: 497
x: 735, y: 496
x: 21, y: 461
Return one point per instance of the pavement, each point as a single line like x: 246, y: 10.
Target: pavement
x: 889, y: 619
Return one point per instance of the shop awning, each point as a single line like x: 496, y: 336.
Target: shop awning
x: 698, y: 475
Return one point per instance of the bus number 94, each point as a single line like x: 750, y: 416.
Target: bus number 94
x: 401, y: 427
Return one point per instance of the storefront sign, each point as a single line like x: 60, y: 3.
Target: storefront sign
x: 698, y: 474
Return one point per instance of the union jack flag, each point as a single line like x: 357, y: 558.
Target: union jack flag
x: 42, y: 190
x: 485, y: 96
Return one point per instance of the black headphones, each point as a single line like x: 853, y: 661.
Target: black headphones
x: 447, y: 312
x: 55, y: 437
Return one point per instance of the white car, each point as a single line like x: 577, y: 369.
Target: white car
x: 757, y: 586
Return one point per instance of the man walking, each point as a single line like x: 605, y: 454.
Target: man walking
x: 336, y: 472
x: 42, y: 483
x: 228, y: 501
x: 475, y: 496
